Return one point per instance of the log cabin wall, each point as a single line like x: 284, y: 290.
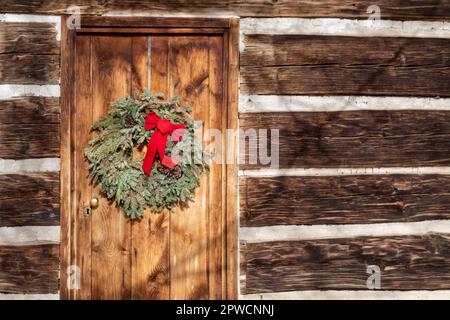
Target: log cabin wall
x: 363, y: 112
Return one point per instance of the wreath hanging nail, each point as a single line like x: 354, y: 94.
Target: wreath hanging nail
x: 157, y: 180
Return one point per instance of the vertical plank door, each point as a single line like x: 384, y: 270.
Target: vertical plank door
x: 167, y: 255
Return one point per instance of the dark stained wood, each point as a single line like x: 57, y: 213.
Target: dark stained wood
x: 288, y: 50
x: 154, y: 22
x: 390, y: 9
x: 346, y: 80
x: 355, y: 138
x: 29, y: 200
x: 30, y: 110
x: 406, y: 263
x: 30, y: 37
x: 150, y: 30
x: 343, y: 199
x: 18, y: 141
x: 320, y: 65
x: 29, y: 69
x: 29, y: 269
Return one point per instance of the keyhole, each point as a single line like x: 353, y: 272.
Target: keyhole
x: 87, y: 211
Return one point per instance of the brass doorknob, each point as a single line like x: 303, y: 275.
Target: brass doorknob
x: 93, y: 202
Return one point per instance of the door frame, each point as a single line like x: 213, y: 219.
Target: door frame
x: 229, y: 28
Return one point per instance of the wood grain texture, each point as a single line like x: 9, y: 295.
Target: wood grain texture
x: 29, y: 53
x: 157, y: 24
x: 354, y: 138
x: 29, y: 269
x: 82, y: 116
x: 67, y: 103
x: 28, y: 38
x: 111, y: 230
x: 29, y: 200
x: 231, y: 175
x: 216, y: 233
x: 406, y: 263
x: 29, y: 69
x: 343, y: 199
x: 150, y: 234
x: 390, y: 9
x: 29, y: 127
x: 321, y: 65
x: 30, y: 111
x: 19, y: 141
x: 176, y: 255
x: 189, y: 78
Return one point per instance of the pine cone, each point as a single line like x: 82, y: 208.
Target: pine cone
x: 171, y: 173
x: 129, y: 122
x: 163, y: 169
x: 176, y: 173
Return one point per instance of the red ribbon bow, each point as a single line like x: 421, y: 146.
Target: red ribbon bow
x: 158, y: 141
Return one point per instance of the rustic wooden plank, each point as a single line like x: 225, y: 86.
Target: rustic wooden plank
x: 30, y: 110
x: 150, y: 235
x: 189, y: 236
x: 19, y: 141
x: 421, y: 81
x: 232, y: 145
x: 67, y: 102
x: 343, y: 199
x: 82, y: 116
x: 29, y: 269
x: 163, y: 24
x: 390, y: 9
x: 406, y: 263
x: 28, y: 37
x: 111, y: 240
x: 41, y: 194
x: 354, y: 138
x: 216, y: 119
x: 320, y: 65
x: 287, y: 50
x: 29, y: 69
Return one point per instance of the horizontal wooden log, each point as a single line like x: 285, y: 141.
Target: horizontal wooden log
x: 339, y: 51
x: 18, y: 141
x: 29, y: 37
x: 343, y: 199
x: 30, y: 110
x: 325, y: 65
x: 29, y: 69
x: 29, y: 269
x: 353, y: 138
x: 346, y: 80
x: 406, y: 263
x: 29, y: 200
x: 390, y: 9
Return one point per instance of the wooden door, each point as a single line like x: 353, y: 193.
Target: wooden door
x: 179, y: 255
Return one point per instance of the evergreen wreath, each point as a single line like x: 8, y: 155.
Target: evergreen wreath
x: 113, y: 163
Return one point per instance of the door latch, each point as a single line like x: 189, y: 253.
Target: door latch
x: 93, y: 203
x: 87, y: 210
